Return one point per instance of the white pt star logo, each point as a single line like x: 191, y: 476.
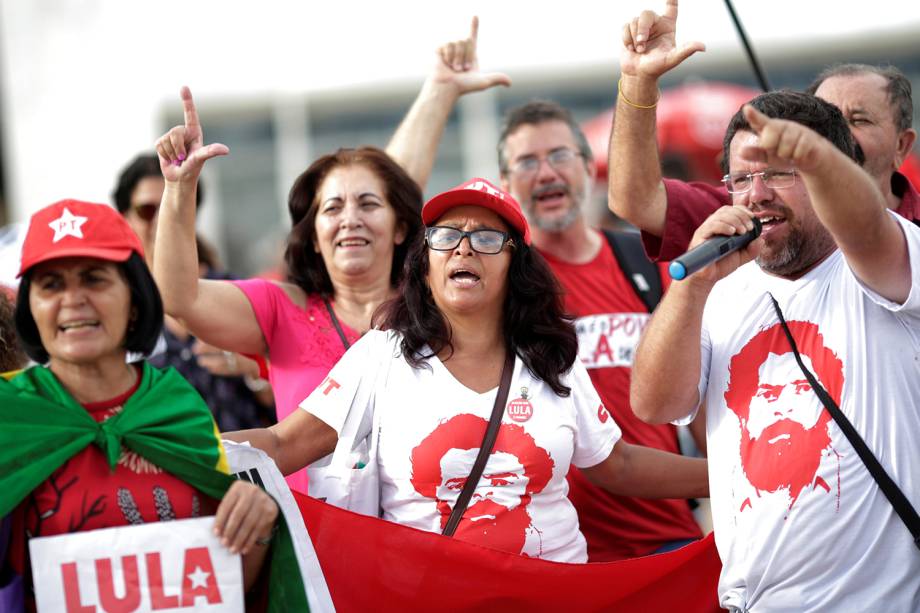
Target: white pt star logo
x: 67, y: 224
x: 199, y: 578
x: 482, y: 186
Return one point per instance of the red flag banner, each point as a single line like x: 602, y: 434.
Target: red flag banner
x: 375, y: 565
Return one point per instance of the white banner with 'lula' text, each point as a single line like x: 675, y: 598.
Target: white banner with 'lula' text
x: 163, y: 566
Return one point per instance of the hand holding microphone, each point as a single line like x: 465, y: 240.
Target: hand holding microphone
x: 711, y: 250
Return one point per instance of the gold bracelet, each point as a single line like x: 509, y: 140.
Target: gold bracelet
x: 633, y: 104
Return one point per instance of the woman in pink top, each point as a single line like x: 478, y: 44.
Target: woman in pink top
x: 352, y: 215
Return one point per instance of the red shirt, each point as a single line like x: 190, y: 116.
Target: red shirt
x: 84, y: 494
x: 610, y: 317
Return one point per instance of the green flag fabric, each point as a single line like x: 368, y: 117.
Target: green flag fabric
x: 165, y: 421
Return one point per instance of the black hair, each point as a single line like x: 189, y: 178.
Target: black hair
x: 806, y: 109
x: 535, y: 326
x: 143, y: 330
x: 306, y: 268
x: 143, y: 166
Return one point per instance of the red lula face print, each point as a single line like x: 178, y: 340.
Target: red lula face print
x: 517, y: 470
x: 784, y: 427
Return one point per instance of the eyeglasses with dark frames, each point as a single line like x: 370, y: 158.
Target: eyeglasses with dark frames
x: 487, y: 242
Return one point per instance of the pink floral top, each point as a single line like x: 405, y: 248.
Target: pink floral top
x: 303, y: 346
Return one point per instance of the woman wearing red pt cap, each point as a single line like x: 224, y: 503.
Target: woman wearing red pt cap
x: 352, y: 213
x: 88, y: 440
x: 477, y: 302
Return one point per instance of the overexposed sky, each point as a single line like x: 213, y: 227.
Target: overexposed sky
x: 273, y: 45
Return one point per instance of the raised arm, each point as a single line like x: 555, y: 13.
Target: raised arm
x: 666, y: 371
x: 456, y: 72
x: 215, y: 311
x: 636, y: 191
x: 845, y: 199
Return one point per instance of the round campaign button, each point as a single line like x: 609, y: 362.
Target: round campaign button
x: 520, y: 410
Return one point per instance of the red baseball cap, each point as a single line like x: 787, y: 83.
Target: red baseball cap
x: 71, y: 228
x: 478, y: 192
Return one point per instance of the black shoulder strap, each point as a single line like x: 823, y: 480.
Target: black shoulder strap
x: 892, y: 492
x: 488, y: 442
x: 335, y: 322
x: 643, y: 274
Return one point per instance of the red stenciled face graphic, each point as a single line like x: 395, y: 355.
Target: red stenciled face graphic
x: 520, y: 410
x: 602, y: 413
x: 517, y: 469
x: 784, y: 426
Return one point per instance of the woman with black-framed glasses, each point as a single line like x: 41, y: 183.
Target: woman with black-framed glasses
x: 476, y: 299
x: 485, y: 241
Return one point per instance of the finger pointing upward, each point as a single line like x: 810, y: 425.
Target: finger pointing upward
x: 188, y: 107
x: 471, y: 48
x: 670, y: 9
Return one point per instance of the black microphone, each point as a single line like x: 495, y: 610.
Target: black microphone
x: 711, y: 250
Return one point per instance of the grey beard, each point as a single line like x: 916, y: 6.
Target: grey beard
x: 558, y: 224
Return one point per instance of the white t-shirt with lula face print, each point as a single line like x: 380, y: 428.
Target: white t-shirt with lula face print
x: 800, y: 524
x: 431, y: 427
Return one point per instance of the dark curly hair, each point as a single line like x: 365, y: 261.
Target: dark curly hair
x: 535, y: 325
x: 806, y: 109
x: 306, y: 268
x: 142, y: 334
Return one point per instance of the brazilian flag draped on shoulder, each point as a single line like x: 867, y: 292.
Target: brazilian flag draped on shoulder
x: 164, y: 421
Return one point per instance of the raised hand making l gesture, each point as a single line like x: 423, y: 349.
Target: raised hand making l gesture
x: 182, y: 150
x: 455, y: 73
x: 458, y: 65
x: 650, y: 46
x: 636, y: 191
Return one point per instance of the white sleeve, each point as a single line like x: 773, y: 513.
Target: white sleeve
x: 911, y: 306
x: 347, y: 391
x: 596, y: 431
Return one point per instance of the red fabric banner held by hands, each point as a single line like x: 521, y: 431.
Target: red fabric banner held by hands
x: 375, y: 565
